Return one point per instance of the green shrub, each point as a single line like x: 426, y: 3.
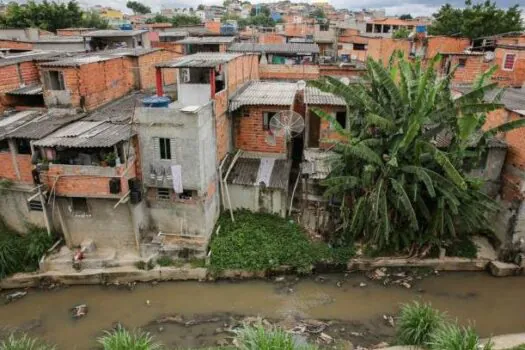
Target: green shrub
x: 141, y: 265
x: 259, y: 241
x: 416, y: 324
x: 23, y: 342
x: 259, y: 338
x: 165, y: 261
x: 11, y: 254
x: 122, y: 339
x: 454, y: 337
x: 37, y: 242
x: 463, y: 248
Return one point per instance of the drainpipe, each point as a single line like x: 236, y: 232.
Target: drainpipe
x: 160, y: 87
x: 212, y: 82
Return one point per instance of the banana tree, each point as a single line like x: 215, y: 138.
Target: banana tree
x: 401, y: 185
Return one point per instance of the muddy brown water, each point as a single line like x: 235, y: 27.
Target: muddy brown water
x: 492, y: 305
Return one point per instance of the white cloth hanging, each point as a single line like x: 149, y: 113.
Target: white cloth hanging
x: 176, y: 173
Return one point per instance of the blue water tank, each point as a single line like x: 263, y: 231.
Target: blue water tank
x: 126, y: 27
x: 156, y: 102
x: 421, y: 29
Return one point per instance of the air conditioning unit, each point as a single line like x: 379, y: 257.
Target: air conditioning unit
x: 185, y: 75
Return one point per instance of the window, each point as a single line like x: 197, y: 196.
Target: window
x: 187, y: 194
x: 23, y: 146
x: 165, y: 148
x: 4, y: 146
x: 79, y: 207
x: 323, y: 27
x: 462, y: 62
x: 341, y: 118
x: 369, y: 28
x: 359, y: 47
x: 508, y: 61
x: 267, y: 116
x: 163, y: 194
x: 54, y: 80
x: 35, y: 205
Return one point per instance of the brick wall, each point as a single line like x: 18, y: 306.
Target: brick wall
x: 383, y: 48
x: 7, y: 170
x: 514, y: 77
x: 170, y: 46
x: 146, y: 64
x: 213, y: 26
x: 288, y: 71
x: 250, y: 135
x: 340, y: 71
x: 439, y: 44
x: 327, y: 135
x: 15, y: 45
x: 97, y: 83
x: 13, y: 76
x: 271, y: 38
x: 474, y: 65
x: 222, y: 124
x: 86, y: 181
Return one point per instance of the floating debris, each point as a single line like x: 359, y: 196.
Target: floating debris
x: 326, y: 338
x: 390, y: 320
x: 79, y: 311
x: 15, y: 296
x: 362, y: 284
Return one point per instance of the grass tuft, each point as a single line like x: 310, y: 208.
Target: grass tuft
x: 260, y: 338
x: 453, y: 337
x: 122, y: 339
x: 416, y: 324
x: 23, y: 342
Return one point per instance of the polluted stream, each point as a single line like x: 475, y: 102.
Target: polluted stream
x: 353, y: 307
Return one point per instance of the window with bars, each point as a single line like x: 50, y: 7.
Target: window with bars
x: 164, y: 148
x: 35, y: 205
x: 163, y: 193
x: 508, y: 61
x: 267, y: 116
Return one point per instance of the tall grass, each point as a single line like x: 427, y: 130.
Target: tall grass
x: 23, y: 342
x: 417, y: 322
x: 122, y: 339
x: 260, y: 338
x: 454, y: 337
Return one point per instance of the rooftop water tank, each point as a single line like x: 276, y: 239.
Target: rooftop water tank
x: 156, y: 102
x: 421, y: 29
x: 126, y: 27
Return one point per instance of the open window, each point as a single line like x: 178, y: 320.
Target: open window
x: 341, y: 118
x: 79, y: 206
x: 54, y: 80
x: 462, y: 62
x: 508, y: 61
x: 4, y: 146
x: 359, y: 47
x: 164, y: 148
x: 324, y: 27
x: 267, y: 116
x: 23, y: 146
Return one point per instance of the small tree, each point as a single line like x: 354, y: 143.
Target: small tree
x: 401, y: 33
x: 138, y: 8
x: 405, y: 16
x: 184, y: 20
x: 399, y: 186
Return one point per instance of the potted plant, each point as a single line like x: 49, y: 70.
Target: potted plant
x: 44, y: 165
x: 111, y: 159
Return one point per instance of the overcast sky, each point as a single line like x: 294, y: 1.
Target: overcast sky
x: 392, y: 7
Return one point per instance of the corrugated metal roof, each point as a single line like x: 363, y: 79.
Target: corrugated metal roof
x: 28, y: 57
x: 207, y: 40
x: 314, y: 96
x: 59, y: 39
x: 82, y: 134
x: 42, y: 126
x: 16, y: 120
x: 290, y: 48
x: 245, y: 171
x: 110, y: 33
x: 27, y: 90
x: 174, y: 33
x: 265, y: 93
x: 99, y: 56
x: 512, y: 98
x: 202, y: 59
x: 119, y: 111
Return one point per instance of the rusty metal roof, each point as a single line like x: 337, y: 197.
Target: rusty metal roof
x: 245, y: 172
x: 290, y: 48
x: 265, y: 93
x: 314, y: 96
x: 202, y: 60
x: 86, y: 134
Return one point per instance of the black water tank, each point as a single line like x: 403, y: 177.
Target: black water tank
x: 114, y: 185
x: 135, y: 197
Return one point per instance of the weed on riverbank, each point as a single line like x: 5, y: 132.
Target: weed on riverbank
x: 258, y: 241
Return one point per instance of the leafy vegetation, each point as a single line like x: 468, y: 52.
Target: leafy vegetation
x: 401, y: 33
x: 260, y: 338
x: 122, y: 339
x: 165, y: 261
x: 143, y: 265
x: 476, y: 21
x: 23, y: 342
x: 463, y: 248
x: 22, y: 253
x: 257, y: 241
x: 453, y: 337
x: 49, y: 16
x: 400, y: 186
x: 138, y: 7
x: 417, y: 323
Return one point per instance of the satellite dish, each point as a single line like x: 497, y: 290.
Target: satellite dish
x: 287, y: 123
x: 489, y: 56
x: 301, y: 84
